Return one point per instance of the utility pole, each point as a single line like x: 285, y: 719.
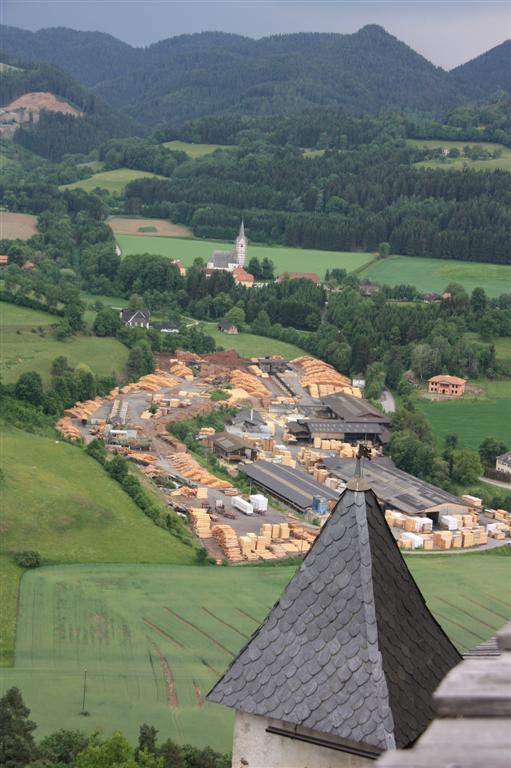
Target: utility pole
x: 83, y: 712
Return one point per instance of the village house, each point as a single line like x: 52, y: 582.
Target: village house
x: 359, y: 380
x: 242, y: 277
x: 503, y: 463
x: 312, y: 276
x: 367, y: 288
x: 4, y: 260
x: 344, y: 666
x: 226, y: 326
x: 181, y: 267
x: 135, y: 318
x: 446, y: 385
x: 28, y: 264
x: 229, y: 260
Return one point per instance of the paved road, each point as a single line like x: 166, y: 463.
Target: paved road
x: 388, y: 402
x: 497, y: 483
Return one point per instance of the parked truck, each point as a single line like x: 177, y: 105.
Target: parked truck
x: 259, y: 503
x: 244, y: 506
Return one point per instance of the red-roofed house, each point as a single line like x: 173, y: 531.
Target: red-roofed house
x: 28, y: 265
x: 4, y: 260
x: 446, y: 385
x: 312, y: 276
x: 242, y: 277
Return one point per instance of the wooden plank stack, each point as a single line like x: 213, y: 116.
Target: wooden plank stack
x: 322, y: 379
x: 228, y: 542
x: 249, y: 383
x: 201, y: 522
x: 187, y: 466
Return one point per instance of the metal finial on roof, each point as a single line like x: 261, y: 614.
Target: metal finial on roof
x: 357, y: 482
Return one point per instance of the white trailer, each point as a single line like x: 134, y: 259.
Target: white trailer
x: 259, y: 502
x: 244, y: 506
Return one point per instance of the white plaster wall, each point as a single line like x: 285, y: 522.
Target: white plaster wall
x: 254, y: 748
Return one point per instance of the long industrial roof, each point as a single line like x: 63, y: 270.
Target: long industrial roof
x: 293, y: 485
x: 396, y: 488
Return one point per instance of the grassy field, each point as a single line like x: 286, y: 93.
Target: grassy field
x: 502, y: 344
x: 435, y: 274
x: 154, y: 639
x: 250, y: 345
x: 58, y: 501
x: 15, y: 226
x: 125, y: 225
x: 285, y: 259
x: 112, y: 181
x: 25, y: 348
x: 194, y: 150
x: 457, y: 164
x: 472, y: 419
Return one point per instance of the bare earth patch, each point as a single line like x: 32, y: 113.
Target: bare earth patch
x: 15, y: 226
x: 43, y: 100
x: 155, y: 227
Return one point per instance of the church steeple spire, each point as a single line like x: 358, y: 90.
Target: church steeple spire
x: 241, y: 235
x: 241, y: 245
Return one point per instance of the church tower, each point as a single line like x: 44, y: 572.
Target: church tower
x: 241, y: 246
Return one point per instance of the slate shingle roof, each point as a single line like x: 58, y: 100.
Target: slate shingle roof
x: 350, y: 649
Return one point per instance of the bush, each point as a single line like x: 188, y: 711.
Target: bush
x: 28, y: 559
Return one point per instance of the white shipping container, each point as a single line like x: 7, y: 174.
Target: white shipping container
x: 243, y: 506
x: 259, y: 502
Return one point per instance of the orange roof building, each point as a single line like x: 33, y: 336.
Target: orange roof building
x: 28, y: 264
x: 242, y: 277
x: 4, y: 260
x: 446, y: 385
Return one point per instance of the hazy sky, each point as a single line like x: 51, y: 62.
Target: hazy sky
x: 447, y: 32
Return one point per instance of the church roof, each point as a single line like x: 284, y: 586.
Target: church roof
x: 350, y: 649
x: 222, y: 259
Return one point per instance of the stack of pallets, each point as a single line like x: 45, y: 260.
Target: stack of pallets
x: 201, y: 522
x: 228, y: 542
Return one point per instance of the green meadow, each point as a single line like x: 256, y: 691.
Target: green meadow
x: 111, y: 181
x: 435, y: 274
x: 155, y: 638
x: 502, y: 163
x: 285, y: 259
x: 250, y: 345
x: 194, y: 150
x: 29, y: 345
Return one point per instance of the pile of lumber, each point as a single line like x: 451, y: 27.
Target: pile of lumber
x: 150, y: 383
x: 228, y: 542
x: 141, y: 458
x: 247, y: 548
x: 322, y: 379
x: 67, y: 429
x: 180, y: 369
x: 184, y: 490
x: 256, y: 371
x: 188, y: 467
x: 498, y: 530
x: 152, y: 470
x: 201, y: 522
x: 83, y: 410
x: 249, y: 383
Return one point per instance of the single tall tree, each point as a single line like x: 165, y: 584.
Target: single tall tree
x: 17, y: 747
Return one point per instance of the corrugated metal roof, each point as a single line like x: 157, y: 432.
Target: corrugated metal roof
x: 296, y: 486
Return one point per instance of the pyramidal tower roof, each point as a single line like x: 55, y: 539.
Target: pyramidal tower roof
x: 241, y: 234
x: 350, y: 649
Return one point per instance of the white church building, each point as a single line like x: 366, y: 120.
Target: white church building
x: 229, y: 260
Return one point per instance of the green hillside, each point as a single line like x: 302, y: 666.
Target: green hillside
x: 111, y: 181
x: 250, y: 345
x: 457, y: 164
x: 193, y: 150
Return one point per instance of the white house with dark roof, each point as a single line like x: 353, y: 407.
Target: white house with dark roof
x: 135, y: 318
x: 344, y: 666
x: 503, y: 463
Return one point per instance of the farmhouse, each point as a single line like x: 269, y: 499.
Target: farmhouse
x: 226, y: 326
x: 446, y: 385
x: 312, y: 276
x: 344, y: 666
x: 135, y: 318
x: 359, y: 380
x: 4, y: 260
x: 503, y: 463
x: 367, y: 288
x: 229, y: 260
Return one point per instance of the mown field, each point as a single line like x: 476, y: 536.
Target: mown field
x: 250, y: 345
x: 154, y: 639
x: 457, y: 164
x: 472, y: 419
x: 435, y: 274
x: 285, y: 259
x: 125, y: 225
x: 14, y: 226
x: 194, y: 150
x: 28, y: 345
x: 60, y: 502
x: 112, y: 181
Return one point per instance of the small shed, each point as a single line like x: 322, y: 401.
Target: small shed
x: 226, y: 326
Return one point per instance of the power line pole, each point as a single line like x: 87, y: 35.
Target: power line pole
x: 83, y: 712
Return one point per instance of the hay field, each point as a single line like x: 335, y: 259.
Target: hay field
x: 28, y: 345
x: 14, y: 226
x: 285, y: 259
x: 194, y: 150
x: 123, y: 225
x: 250, y: 345
x: 155, y: 638
x: 111, y: 181
x: 435, y: 274
x: 502, y: 163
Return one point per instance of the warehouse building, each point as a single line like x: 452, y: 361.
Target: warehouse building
x: 344, y: 666
x: 306, y: 430
x: 293, y: 486
x: 232, y: 448
x: 398, y: 490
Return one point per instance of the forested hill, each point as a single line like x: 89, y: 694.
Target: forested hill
x: 202, y: 74
x: 490, y: 70
x: 57, y: 134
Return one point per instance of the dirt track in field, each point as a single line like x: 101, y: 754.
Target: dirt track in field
x: 125, y: 226
x: 15, y: 226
